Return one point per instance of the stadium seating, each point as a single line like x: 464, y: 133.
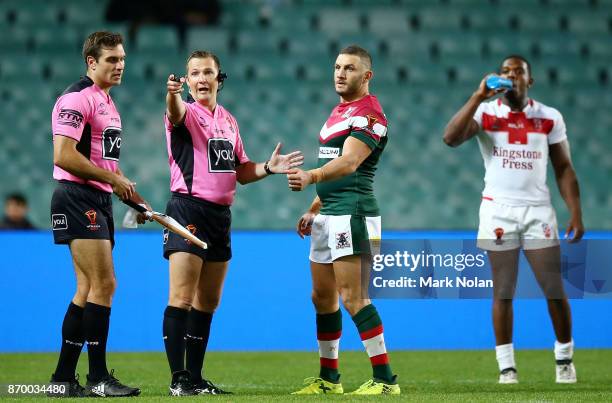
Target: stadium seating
x: 279, y: 57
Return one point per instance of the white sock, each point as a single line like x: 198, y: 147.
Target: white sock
x: 564, y: 351
x: 505, y: 356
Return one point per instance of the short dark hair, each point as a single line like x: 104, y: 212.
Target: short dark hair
x: 358, y: 51
x: 17, y: 198
x: 519, y: 57
x: 101, y: 39
x: 203, y: 54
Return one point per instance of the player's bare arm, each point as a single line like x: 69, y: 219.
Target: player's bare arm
x: 568, y: 187
x: 277, y: 164
x: 304, y: 224
x: 354, y: 153
x: 462, y: 126
x: 174, y: 103
x: 67, y: 157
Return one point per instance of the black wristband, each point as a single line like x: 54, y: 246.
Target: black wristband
x: 267, y: 168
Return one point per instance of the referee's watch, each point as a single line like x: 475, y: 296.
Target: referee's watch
x: 267, y: 168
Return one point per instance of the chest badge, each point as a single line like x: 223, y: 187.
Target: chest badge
x: 349, y: 112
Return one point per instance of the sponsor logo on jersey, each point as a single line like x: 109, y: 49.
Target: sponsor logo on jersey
x: 349, y: 112
x: 221, y: 157
x: 59, y: 222
x: 371, y: 121
x: 111, y: 143
x: 70, y: 117
x: 92, y: 217
x: 329, y: 152
x: 102, y: 109
x: 537, y: 124
x: 342, y: 240
x: 499, y: 233
x: 518, y: 125
x: 517, y: 159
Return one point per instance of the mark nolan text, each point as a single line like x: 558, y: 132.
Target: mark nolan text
x: 429, y: 282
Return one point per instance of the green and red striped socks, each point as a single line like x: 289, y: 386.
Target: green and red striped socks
x: 329, y: 330
x: 370, y: 330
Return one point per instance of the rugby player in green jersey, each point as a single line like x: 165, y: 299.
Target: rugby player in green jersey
x: 342, y: 221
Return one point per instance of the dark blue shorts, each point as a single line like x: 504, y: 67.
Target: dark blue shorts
x: 81, y: 212
x: 208, y: 221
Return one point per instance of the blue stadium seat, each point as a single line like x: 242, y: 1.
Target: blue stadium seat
x: 432, y: 20
x: 154, y: 66
x: 486, y: 19
x: 388, y: 21
x: 250, y: 67
x: 20, y: 67
x: 29, y: 13
x: 258, y: 42
x: 49, y: 39
x: 65, y: 69
x: 293, y: 19
x: 158, y: 38
x: 87, y: 14
x: 340, y: 21
x: 502, y: 45
x: 302, y: 43
x: 14, y: 38
x: 586, y: 22
x: 414, y: 47
x: 459, y: 45
x: 213, y: 39
x: 559, y: 46
x: 366, y: 40
x: 544, y: 21
x: 427, y: 74
x: 470, y: 74
x: 569, y: 4
x: 599, y: 47
x: 240, y: 15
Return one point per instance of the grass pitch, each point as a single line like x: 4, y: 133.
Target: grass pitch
x: 465, y: 376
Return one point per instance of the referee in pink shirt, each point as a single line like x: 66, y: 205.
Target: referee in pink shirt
x: 87, y: 134
x: 206, y: 157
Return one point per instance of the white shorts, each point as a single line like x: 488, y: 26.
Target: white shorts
x: 504, y: 227
x: 333, y: 237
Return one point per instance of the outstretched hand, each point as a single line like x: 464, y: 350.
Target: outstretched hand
x: 174, y: 85
x: 283, y: 163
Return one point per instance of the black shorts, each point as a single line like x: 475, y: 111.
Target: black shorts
x: 208, y: 221
x: 81, y: 212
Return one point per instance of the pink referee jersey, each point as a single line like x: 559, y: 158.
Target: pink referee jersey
x: 204, y: 152
x: 514, y: 146
x: 85, y: 113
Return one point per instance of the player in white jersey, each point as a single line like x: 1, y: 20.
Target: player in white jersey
x: 516, y: 136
